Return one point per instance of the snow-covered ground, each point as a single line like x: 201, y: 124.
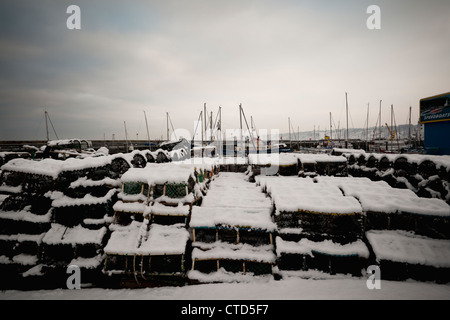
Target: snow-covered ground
x: 287, y: 289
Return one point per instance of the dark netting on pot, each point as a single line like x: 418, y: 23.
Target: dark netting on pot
x: 432, y: 226
x: 87, y: 250
x: 232, y: 265
x: 168, y: 219
x: 362, y: 160
x: 254, y: 237
x: 97, y: 191
x: 125, y: 218
x: 342, y: 227
x: 58, y: 255
x: 40, y: 205
x: 403, y: 167
x: 377, y: 220
x: 64, y: 180
x: 258, y: 268
x: 158, y: 190
x: 384, y: 164
x: 118, y: 167
x: 427, y: 169
x: 7, y: 247
x: 132, y: 187
x: 291, y: 261
x: 337, y: 169
x: 287, y: 219
x: 149, y: 157
x: 288, y: 170
x: 29, y: 247
x: 139, y: 161
x: 69, y: 216
x: 351, y: 159
x: 227, y: 235
x: 207, y: 235
x: 167, y: 264
x: 205, y: 266
x: 38, y: 183
x: 372, y: 162
x: 176, y: 190
x: 161, y: 157
x: 307, y: 167
x: 15, y: 202
x: 403, y: 221
x: 12, y: 178
x: 116, y: 263
x: 351, y: 264
x: 9, y: 226
x: 99, y: 173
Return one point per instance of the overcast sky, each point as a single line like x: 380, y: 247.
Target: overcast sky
x: 280, y: 59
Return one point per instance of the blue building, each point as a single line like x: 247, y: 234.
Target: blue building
x: 435, y: 115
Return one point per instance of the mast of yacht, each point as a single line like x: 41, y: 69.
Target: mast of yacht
x: 46, y: 125
x: 346, y: 108
x: 148, y: 134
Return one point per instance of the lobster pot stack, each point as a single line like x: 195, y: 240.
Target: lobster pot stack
x: 426, y: 175
x: 232, y: 232
x: 310, y: 165
x: 49, y: 202
x: 318, y: 227
x: 82, y: 204
x: 284, y: 164
x: 25, y: 217
x: 149, y: 236
x: 408, y: 235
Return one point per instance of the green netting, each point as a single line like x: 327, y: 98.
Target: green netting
x: 132, y: 187
x: 176, y: 190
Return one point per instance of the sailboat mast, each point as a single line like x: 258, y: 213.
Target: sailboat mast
x: 409, y: 126
x: 346, y: 108
x: 331, y: 129
x: 126, y: 134
x: 148, y: 134
x: 380, y: 123
x: 367, y: 128
x: 46, y: 125
x: 167, y: 124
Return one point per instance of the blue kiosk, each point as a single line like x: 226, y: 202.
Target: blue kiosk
x: 435, y: 115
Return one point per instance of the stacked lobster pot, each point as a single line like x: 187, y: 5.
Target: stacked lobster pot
x: 149, y: 236
x: 408, y: 235
x: 426, y: 175
x: 232, y: 232
x: 318, y: 227
x: 284, y: 164
x: 25, y: 217
x: 57, y: 210
x: 321, y: 164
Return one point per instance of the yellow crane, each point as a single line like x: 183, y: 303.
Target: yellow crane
x: 391, y: 132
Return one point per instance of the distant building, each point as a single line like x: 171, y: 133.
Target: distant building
x: 435, y: 116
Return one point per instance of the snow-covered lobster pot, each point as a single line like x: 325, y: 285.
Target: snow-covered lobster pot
x: 85, y: 211
x: 326, y: 256
x: 403, y: 255
x: 142, y: 250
